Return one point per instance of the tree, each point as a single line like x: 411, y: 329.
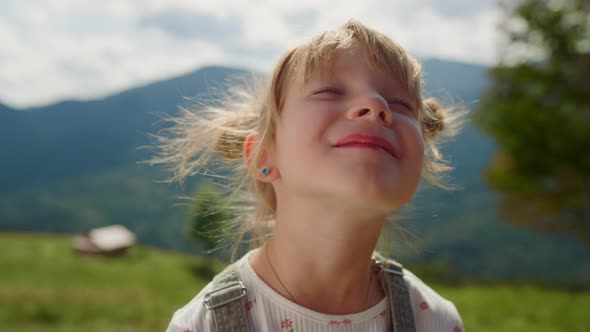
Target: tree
x: 538, y: 112
x: 209, y: 213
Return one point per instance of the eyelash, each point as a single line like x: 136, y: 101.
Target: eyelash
x: 332, y: 90
x: 402, y: 102
x: 389, y: 102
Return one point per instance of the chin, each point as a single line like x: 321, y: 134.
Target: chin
x: 379, y: 199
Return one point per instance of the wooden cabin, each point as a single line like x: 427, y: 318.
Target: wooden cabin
x: 114, y: 240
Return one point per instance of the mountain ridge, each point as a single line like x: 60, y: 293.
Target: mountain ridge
x: 71, y: 166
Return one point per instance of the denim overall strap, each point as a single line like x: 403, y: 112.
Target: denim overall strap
x: 396, y: 289
x: 226, y: 301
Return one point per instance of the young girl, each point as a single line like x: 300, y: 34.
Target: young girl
x: 337, y: 142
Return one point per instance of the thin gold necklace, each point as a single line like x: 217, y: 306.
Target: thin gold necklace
x: 291, y: 297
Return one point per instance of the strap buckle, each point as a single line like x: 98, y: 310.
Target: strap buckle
x: 237, y: 285
x: 389, y: 265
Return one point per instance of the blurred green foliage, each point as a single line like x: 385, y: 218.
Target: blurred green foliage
x: 538, y: 111
x: 207, y: 224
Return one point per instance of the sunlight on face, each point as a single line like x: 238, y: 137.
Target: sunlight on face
x: 379, y: 166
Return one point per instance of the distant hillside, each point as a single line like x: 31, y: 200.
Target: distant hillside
x: 72, y: 165
x: 455, y: 78
x: 4, y: 108
x: 76, y: 137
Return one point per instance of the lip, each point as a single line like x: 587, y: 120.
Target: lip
x: 367, y: 139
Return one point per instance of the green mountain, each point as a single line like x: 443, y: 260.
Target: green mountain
x: 73, y: 137
x: 70, y: 166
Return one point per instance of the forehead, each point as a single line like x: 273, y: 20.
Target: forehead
x: 352, y: 64
x: 346, y: 63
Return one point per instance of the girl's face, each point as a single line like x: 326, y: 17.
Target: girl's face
x: 347, y: 99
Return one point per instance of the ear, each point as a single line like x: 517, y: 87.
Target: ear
x: 249, y: 144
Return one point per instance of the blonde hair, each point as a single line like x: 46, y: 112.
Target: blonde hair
x: 215, y: 135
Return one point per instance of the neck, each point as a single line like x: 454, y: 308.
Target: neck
x: 322, y: 255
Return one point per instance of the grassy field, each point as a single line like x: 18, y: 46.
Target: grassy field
x: 45, y: 287
x: 522, y: 308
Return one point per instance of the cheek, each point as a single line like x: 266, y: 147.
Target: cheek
x: 305, y: 127
x: 413, y: 143
x: 293, y: 135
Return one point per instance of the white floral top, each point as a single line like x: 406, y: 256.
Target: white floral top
x: 267, y: 310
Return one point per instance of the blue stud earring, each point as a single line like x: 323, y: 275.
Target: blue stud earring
x: 265, y: 171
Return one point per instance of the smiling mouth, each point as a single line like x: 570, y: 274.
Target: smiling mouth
x: 365, y: 146
x: 358, y: 140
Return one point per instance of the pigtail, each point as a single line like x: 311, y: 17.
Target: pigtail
x: 434, y: 119
x: 206, y: 135
x: 439, y: 124
x: 230, y: 142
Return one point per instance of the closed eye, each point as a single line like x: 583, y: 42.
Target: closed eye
x: 329, y: 90
x: 403, y: 103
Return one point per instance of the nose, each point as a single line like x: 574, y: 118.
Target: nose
x: 373, y: 108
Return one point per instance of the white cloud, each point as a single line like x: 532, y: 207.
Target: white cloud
x: 52, y: 50
x: 180, y: 23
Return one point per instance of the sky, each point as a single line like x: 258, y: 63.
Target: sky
x: 52, y: 50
